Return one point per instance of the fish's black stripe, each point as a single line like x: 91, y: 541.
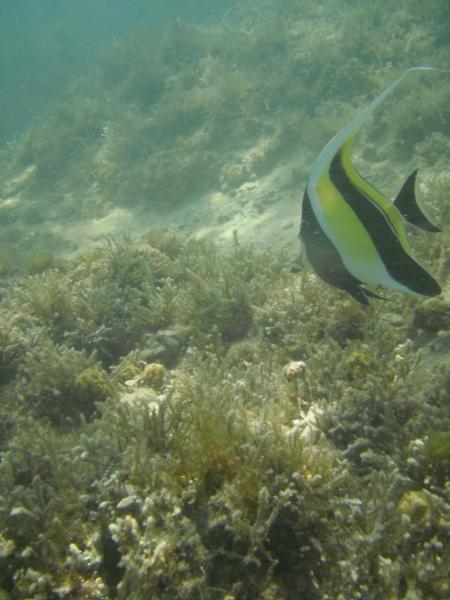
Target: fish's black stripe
x: 401, y: 267
x: 323, y: 256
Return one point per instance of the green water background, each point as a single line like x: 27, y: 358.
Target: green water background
x: 45, y: 44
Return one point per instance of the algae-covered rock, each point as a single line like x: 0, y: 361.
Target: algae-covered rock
x: 416, y: 506
x: 60, y: 384
x: 152, y: 375
x: 431, y: 316
x: 93, y: 385
x: 160, y: 434
x: 205, y: 455
x: 359, y: 363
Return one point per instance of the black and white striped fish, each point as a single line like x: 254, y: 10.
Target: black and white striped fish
x: 350, y: 233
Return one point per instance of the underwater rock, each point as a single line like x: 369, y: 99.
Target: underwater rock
x: 294, y: 369
x: 139, y: 397
x: 358, y: 364
x: 7, y: 547
x: 130, y: 505
x: 164, y: 346
x: 93, y: 384
x: 431, y: 316
x: 153, y: 350
x: 416, y: 505
x: 172, y: 340
x: 394, y: 319
x: 309, y: 429
x: 152, y: 376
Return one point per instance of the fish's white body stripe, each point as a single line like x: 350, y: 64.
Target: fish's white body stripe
x: 375, y: 273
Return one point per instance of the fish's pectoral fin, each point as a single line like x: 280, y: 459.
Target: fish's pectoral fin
x: 362, y: 295
x: 373, y: 295
x: 407, y: 206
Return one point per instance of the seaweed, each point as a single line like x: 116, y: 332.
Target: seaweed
x: 182, y: 421
x: 204, y: 469
x: 60, y: 384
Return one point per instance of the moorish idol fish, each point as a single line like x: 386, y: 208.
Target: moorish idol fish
x: 350, y: 233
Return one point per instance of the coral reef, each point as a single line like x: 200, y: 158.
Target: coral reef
x: 182, y: 422
x: 289, y: 455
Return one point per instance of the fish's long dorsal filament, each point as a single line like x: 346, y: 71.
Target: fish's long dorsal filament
x: 332, y: 147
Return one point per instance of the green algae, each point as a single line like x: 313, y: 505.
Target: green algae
x: 151, y: 445
x: 438, y: 447
x: 143, y: 129
x: 204, y: 470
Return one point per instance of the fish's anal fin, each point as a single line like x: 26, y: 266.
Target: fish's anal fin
x: 407, y: 206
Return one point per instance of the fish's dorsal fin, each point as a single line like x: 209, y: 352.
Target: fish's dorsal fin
x: 407, y: 206
x: 329, y: 151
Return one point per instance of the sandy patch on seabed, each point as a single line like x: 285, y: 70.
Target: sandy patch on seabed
x: 265, y: 210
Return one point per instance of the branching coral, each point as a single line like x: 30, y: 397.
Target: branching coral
x: 151, y: 444
x: 203, y: 469
x: 59, y: 383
